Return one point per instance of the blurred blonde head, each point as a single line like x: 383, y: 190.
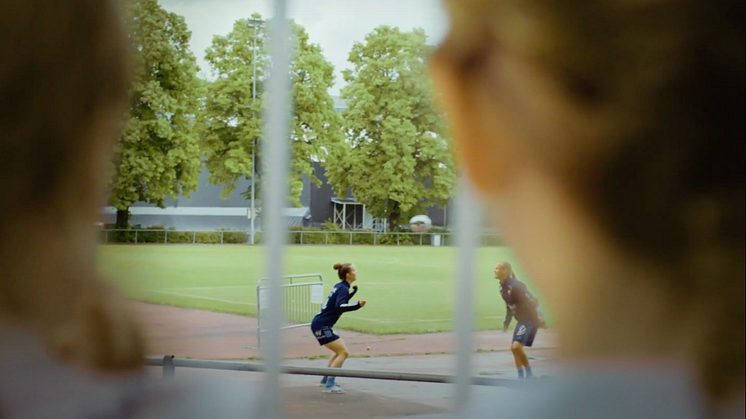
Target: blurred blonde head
x: 611, y: 134
x: 63, y: 90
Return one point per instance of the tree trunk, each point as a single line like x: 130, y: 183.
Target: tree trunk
x: 394, y: 218
x: 123, y: 218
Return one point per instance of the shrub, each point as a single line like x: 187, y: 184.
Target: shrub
x: 330, y: 226
x: 238, y: 237
x: 181, y: 237
x: 339, y: 238
x: 387, y: 239
x: 208, y: 237
x: 423, y: 239
x: 146, y: 235
x: 310, y: 236
x: 121, y: 237
x: 362, y: 238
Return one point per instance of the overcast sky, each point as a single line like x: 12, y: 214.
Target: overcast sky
x: 333, y: 24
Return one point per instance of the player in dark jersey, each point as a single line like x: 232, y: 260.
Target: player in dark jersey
x: 322, y: 325
x: 525, y: 308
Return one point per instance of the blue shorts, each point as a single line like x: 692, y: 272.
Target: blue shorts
x: 525, y: 333
x: 324, y: 334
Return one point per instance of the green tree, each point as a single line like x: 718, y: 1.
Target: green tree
x: 397, y: 159
x: 158, y: 154
x: 233, y: 121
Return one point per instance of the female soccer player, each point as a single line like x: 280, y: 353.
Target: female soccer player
x: 337, y: 303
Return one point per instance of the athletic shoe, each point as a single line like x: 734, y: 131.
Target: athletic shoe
x: 334, y: 390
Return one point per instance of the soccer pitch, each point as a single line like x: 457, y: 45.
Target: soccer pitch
x: 408, y: 289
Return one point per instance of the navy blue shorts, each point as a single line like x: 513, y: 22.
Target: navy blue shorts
x: 324, y: 334
x: 525, y: 334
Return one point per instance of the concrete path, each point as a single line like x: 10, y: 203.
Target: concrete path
x: 207, y: 335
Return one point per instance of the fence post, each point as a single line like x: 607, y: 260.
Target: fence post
x: 420, y: 239
x: 136, y: 236
x: 169, y: 370
x: 222, y: 233
x: 165, y: 240
x: 259, y: 314
x: 326, y: 237
x: 301, y: 237
x: 398, y: 236
x: 350, y: 238
x: 106, y: 237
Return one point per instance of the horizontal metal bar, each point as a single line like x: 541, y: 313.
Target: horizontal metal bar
x: 297, y: 285
x: 339, y: 372
x: 293, y: 277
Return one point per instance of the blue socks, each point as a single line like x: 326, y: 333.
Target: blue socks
x: 520, y: 374
x: 329, y: 382
x: 324, y: 379
x: 529, y: 373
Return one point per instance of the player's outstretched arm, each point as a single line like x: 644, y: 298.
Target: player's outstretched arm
x: 352, y: 306
x: 343, y: 302
x: 508, y: 318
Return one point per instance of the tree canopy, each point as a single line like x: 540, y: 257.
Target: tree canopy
x: 233, y: 120
x: 158, y: 154
x: 397, y: 158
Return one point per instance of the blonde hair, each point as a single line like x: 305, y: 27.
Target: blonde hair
x: 63, y: 71
x: 648, y: 96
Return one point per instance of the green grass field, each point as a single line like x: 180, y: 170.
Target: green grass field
x: 408, y: 289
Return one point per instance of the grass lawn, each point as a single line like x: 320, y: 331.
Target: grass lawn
x: 408, y: 289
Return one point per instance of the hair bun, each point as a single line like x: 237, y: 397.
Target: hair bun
x: 337, y: 266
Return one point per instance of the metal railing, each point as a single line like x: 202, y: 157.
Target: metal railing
x: 300, y: 302
x: 169, y: 364
x: 163, y: 236
x: 299, y: 237
x: 373, y: 238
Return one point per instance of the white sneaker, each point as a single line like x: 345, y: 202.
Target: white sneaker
x: 334, y: 390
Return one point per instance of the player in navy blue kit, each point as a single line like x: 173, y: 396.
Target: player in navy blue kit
x: 525, y: 308
x: 322, y: 325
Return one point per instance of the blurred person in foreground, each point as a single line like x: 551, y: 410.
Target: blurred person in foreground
x: 610, y: 135
x: 69, y: 348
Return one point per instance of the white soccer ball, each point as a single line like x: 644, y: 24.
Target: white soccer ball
x: 420, y: 224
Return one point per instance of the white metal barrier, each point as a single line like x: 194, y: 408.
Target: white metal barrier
x: 300, y: 301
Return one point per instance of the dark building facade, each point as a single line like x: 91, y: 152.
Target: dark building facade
x: 325, y: 206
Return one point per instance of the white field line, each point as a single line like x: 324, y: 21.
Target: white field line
x: 315, y: 258
x: 395, y: 321
x: 221, y: 287
x: 181, y: 294
x: 365, y: 319
x: 362, y: 284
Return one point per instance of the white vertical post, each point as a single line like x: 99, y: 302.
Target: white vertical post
x: 275, y: 194
x: 468, y: 216
x: 254, y: 24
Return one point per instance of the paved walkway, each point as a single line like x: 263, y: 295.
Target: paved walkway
x: 207, y: 335
x: 370, y: 399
